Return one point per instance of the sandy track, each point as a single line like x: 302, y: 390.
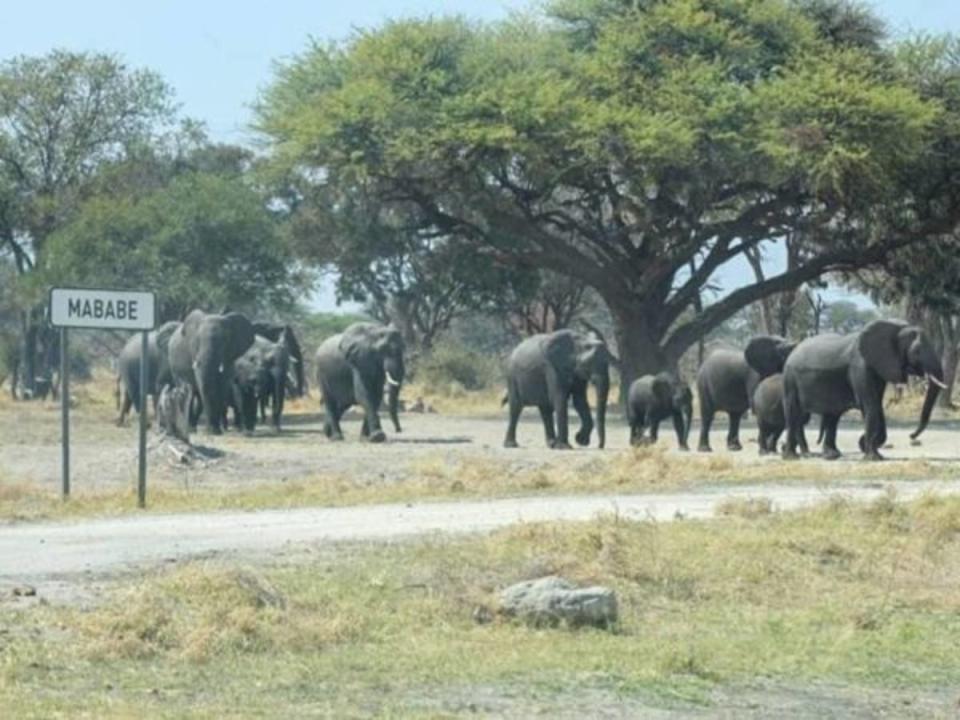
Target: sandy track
x: 32, y: 553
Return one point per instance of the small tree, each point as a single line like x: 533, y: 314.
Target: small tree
x: 62, y: 117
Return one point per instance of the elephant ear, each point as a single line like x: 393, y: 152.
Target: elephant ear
x: 164, y: 333
x: 560, y: 350
x: 357, y: 343
x: 880, y: 347
x: 663, y: 390
x: 767, y: 354
x: 238, y: 335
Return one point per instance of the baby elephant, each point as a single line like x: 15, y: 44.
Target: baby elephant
x: 654, y: 398
x: 767, y: 406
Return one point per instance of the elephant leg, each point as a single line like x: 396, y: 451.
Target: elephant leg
x: 793, y: 417
x: 278, y: 401
x: 773, y: 438
x: 126, y: 404
x: 371, y: 419
x: 763, y: 435
x: 875, y: 433
x: 582, y: 407
x: 637, y: 427
x: 196, y: 408
x: 516, y: 407
x: 830, y: 423
x: 680, y: 428
x: 706, y: 420
x: 654, y: 423
x: 331, y: 426
x: 733, y: 434
x: 365, y: 429
x: 546, y: 415
x: 802, y: 439
x: 560, y: 396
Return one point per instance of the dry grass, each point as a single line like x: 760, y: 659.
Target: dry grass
x: 863, y: 595
x: 444, y: 476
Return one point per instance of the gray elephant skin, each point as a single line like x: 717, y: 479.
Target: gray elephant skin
x: 276, y: 332
x: 767, y: 407
x: 353, y: 368
x: 547, y: 371
x: 158, y: 368
x: 830, y: 374
x: 202, y: 352
x: 654, y: 398
x: 727, y: 379
x: 259, y: 377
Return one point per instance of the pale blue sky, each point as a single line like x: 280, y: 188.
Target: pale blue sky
x: 217, y: 54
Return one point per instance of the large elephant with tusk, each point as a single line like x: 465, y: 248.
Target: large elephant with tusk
x: 830, y: 374
x: 355, y: 367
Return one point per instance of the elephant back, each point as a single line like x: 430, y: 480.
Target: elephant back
x: 827, y: 352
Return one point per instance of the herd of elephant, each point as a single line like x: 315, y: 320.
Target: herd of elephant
x: 210, y: 363
x: 782, y: 382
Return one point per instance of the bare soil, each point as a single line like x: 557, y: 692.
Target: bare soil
x: 104, y: 456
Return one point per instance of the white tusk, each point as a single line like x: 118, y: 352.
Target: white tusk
x: 939, y: 383
x: 391, y: 380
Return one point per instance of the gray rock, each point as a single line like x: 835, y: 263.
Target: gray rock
x: 553, y: 600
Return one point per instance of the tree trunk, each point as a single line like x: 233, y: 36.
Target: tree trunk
x: 639, y: 346
x: 755, y: 259
x: 28, y: 355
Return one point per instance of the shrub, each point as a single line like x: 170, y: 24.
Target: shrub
x: 448, y: 364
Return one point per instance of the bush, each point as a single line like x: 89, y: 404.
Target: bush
x: 449, y: 364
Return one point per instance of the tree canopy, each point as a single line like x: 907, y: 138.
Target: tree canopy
x: 634, y: 146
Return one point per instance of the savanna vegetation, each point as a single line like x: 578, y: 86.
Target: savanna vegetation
x: 849, y: 606
x: 592, y: 160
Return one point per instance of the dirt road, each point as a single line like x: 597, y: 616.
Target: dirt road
x: 48, y: 551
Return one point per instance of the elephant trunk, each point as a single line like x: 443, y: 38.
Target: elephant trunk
x: 602, y: 384
x: 687, y: 422
x: 394, y: 371
x: 279, y: 382
x: 934, y: 383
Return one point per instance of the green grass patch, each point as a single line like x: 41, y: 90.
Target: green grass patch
x: 865, y: 596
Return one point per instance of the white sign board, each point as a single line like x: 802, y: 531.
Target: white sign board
x: 102, y: 309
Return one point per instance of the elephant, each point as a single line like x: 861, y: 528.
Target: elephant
x: 767, y: 406
x: 546, y: 371
x: 652, y: 399
x: 274, y: 332
x: 260, y: 375
x: 158, y: 368
x: 727, y: 379
x: 352, y: 368
x: 201, y: 354
x: 830, y: 374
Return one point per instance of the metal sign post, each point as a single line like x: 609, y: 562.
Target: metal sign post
x: 142, y: 463
x: 103, y: 310
x: 65, y: 412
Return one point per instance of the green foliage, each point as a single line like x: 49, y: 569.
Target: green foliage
x: 317, y: 327
x: 624, y: 144
x: 202, y: 240
x: 450, y: 364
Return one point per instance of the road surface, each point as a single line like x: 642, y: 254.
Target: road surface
x: 31, y: 553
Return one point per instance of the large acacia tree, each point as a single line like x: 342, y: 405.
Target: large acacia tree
x: 635, y: 145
